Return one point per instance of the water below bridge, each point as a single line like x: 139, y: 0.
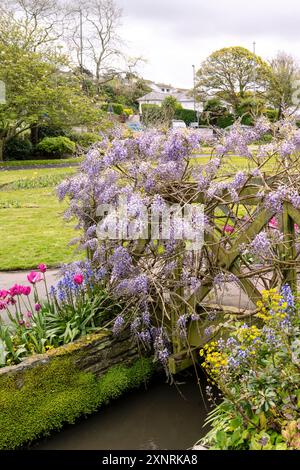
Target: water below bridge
x: 163, y: 416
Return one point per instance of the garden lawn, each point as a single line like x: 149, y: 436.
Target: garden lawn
x: 17, y: 163
x: 32, y: 229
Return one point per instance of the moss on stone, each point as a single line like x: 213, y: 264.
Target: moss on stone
x: 37, y: 401
x: 79, y: 344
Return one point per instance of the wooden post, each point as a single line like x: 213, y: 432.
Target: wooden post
x: 289, y: 271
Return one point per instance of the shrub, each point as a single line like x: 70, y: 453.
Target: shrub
x: 116, y: 107
x: 86, y: 139
x: 271, y: 114
x: 186, y: 115
x: 51, y: 131
x: 18, y: 148
x: 58, y: 393
x: 128, y: 111
x: 56, y: 147
x: 225, y: 121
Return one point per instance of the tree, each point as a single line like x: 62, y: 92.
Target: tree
x: 101, y: 46
x: 39, y: 89
x: 125, y: 90
x: 283, y: 81
x: 230, y: 73
x: 169, y: 107
x: 30, y: 24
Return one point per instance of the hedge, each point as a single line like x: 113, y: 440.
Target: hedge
x: 117, y: 108
x: 186, y: 115
x: 57, y: 393
x: 152, y: 113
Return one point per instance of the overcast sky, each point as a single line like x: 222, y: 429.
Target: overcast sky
x: 172, y: 35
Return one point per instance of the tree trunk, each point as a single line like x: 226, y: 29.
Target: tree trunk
x: 1, y: 149
x: 34, y: 134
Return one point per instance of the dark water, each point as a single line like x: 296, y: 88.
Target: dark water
x: 161, y: 417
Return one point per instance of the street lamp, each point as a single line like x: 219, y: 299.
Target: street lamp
x: 194, y: 82
x: 254, y: 68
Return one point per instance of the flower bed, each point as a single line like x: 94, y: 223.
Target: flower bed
x: 256, y: 366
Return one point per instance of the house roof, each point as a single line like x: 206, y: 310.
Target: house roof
x: 157, y: 96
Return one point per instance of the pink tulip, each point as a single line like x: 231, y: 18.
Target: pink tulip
x: 2, y: 305
x: 3, y: 294
x: 37, y: 307
x: 27, y: 324
x: 34, y: 277
x: 29, y: 315
x: 26, y: 290
x: 16, y: 290
x: 273, y: 223
x: 21, y: 322
x: 78, y: 279
x: 42, y: 267
x: 228, y: 229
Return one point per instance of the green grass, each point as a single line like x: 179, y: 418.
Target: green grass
x: 40, y: 162
x: 32, y: 228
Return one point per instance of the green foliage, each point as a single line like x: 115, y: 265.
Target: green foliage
x: 125, y: 90
x: 238, y: 63
x: 271, y: 114
x: 186, y: 115
x: 56, y: 146
x: 225, y: 121
x: 128, y: 112
x: 256, y: 367
x: 38, y: 93
x: 169, y: 107
x: 116, y: 107
x: 216, y: 114
x: 85, y: 139
x: 45, y: 398
x: 51, y: 131
x: 18, y: 148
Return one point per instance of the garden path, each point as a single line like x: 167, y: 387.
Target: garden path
x: 231, y: 295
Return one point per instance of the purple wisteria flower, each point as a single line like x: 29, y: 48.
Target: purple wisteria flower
x: 261, y: 246
x: 118, y: 325
x: 121, y: 263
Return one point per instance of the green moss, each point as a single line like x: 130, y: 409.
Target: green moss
x: 46, y: 397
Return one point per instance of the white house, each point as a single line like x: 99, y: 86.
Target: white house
x: 159, y: 93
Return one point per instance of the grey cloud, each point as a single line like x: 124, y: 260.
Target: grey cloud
x: 203, y: 18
